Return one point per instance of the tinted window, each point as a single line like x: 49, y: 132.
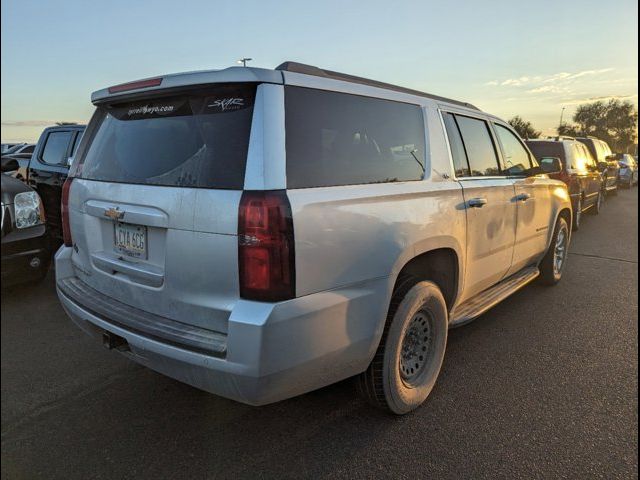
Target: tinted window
x: 28, y: 149
x: 458, y: 154
x: 479, y: 146
x: 55, y: 148
x: 199, y: 139
x: 341, y: 139
x: 77, y: 142
x: 547, y: 149
x: 516, y: 157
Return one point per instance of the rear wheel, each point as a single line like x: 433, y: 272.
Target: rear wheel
x: 408, y: 360
x: 554, y: 261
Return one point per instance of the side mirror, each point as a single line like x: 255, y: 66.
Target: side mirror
x: 10, y: 164
x: 551, y: 165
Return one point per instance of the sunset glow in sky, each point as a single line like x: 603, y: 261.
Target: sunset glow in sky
x: 508, y: 58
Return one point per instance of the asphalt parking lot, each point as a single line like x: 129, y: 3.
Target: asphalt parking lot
x: 542, y: 386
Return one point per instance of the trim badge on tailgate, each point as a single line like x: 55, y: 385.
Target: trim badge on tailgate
x: 114, y: 213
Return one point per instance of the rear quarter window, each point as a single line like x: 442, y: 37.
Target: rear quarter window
x: 342, y: 139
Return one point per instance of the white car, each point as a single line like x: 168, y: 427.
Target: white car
x: 262, y: 233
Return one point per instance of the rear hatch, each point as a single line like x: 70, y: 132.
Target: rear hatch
x: 154, y: 201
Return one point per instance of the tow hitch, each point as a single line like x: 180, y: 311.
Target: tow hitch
x: 112, y: 341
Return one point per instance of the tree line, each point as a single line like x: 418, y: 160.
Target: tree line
x: 614, y: 121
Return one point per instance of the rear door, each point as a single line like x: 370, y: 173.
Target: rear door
x: 592, y: 181
x: 47, y: 172
x: 154, y: 208
x: 488, y: 195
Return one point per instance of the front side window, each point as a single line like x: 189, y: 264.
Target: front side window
x: 342, y: 139
x: 516, y: 158
x: 479, y: 146
x: 56, y: 147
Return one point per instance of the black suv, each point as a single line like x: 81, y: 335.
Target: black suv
x: 48, y: 169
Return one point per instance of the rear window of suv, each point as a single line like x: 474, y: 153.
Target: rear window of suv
x: 342, y: 139
x: 197, y: 139
x: 547, y: 149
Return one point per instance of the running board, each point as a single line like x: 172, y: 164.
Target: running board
x: 476, y: 306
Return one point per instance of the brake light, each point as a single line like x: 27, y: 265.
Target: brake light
x: 266, y: 257
x: 64, y: 213
x: 123, y: 87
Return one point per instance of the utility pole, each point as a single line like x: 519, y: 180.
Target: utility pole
x: 244, y: 61
x: 561, y: 113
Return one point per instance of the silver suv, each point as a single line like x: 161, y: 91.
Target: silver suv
x: 262, y: 233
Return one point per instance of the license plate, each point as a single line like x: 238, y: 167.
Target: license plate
x: 131, y: 240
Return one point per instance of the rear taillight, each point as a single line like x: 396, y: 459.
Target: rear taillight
x: 64, y: 212
x: 266, y: 255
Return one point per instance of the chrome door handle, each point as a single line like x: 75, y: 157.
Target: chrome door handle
x: 477, y: 202
x: 523, y: 197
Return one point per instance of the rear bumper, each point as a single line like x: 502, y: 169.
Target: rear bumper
x: 271, y: 351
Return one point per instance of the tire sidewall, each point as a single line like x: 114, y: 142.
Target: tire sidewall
x: 562, y: 223
x: 400, y: 397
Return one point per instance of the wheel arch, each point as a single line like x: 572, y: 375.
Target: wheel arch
x: 440, y: 265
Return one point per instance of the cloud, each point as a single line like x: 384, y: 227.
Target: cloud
x: 541, y: 82
x: 516, y: 82
x: 577, y: 101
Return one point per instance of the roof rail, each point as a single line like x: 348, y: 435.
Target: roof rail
x: 319, y: 72
x: 558, y: 138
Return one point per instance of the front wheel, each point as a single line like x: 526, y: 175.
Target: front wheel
x: 555, y: 259
x: 408, y: 360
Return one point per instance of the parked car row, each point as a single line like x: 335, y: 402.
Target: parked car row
x: 202, y: 242
x: 588, y: 168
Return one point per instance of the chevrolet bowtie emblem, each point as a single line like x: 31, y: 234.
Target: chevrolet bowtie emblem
x: 114, y: 213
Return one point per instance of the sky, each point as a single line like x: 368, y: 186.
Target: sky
x: 506, y: 57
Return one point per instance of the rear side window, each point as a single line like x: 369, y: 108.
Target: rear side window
x: 28, y: 149
x: 516, y: 158
x: 459, y: 157
x: 342, y: 139
x: 76, y: 143
x: 56, y: 148
x: 479, y: 146
x: 199, y: 139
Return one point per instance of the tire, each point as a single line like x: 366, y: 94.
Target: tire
x: 406, y: 364
x: 595, y: 210
x: 550, y: 270
x: 577, y: 216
